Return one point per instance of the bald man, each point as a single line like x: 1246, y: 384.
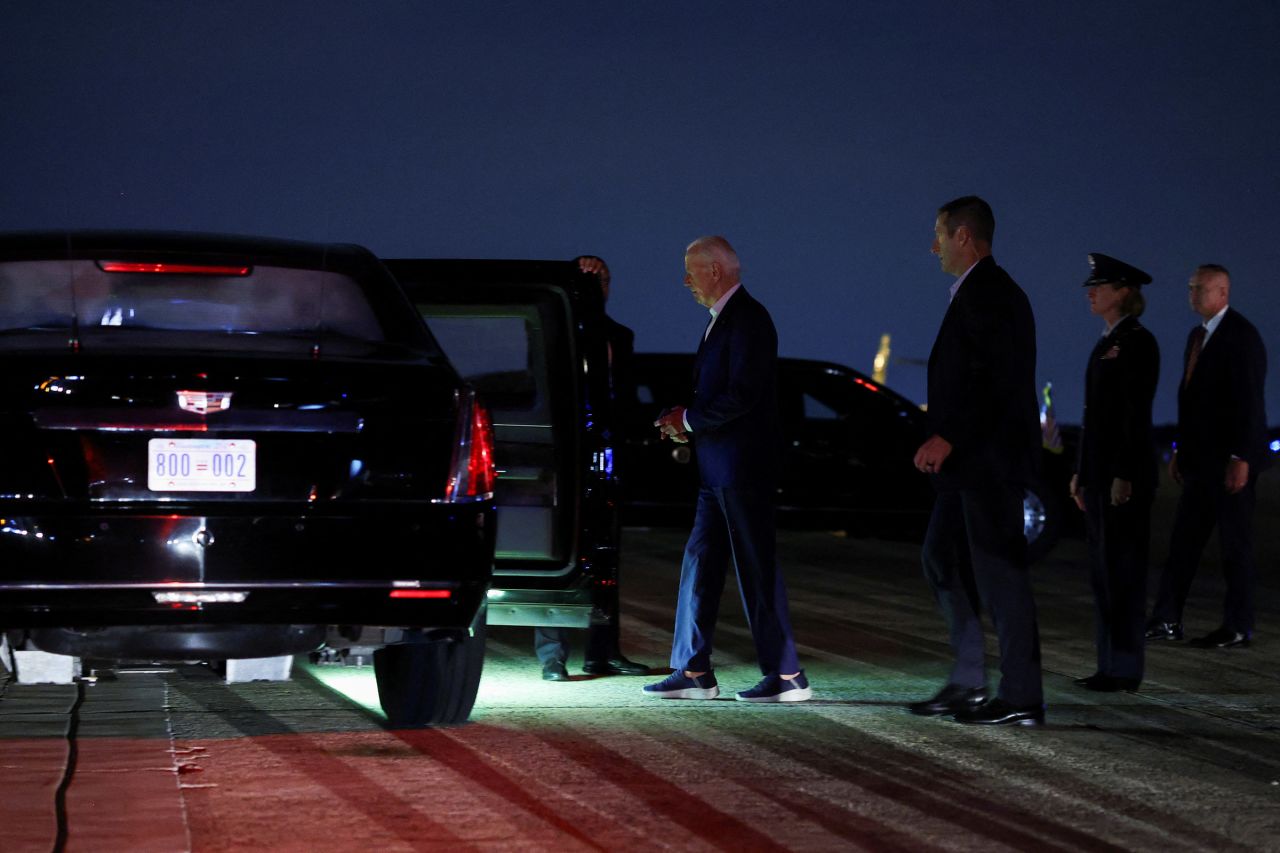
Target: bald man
x: 1220, y: 450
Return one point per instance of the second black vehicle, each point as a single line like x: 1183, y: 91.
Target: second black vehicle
x: 847, y: 459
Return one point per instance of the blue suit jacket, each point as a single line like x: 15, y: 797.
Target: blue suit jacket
x: 734, y: 411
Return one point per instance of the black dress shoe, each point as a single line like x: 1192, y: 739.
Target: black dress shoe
x: 998, y: 712
x: 1164, y: 631
x: 1222, y: 638
x: 950, y: 700
x: 554, y: 671
x: 1108, y: 684
x: 614, y: 666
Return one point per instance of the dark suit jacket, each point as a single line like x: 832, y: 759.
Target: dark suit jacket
x: 1119, y: 386
x: 622, y: 350
x: 982, y: 383
x: 1222, y: 410
x: 734, y: 411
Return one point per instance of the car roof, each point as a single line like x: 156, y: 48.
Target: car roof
x: 126, y: 244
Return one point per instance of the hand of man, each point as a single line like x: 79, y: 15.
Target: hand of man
x: 1237, y: 475
x: 591, y: 265
x: 670, y: 425
x: 932, y: 454
x: 1121, y: 492
x: 1077, y: 494
x: 1174, y: 473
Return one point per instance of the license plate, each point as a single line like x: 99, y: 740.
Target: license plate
x: 201, y: 465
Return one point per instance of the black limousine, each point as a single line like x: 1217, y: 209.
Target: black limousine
x: 225, y: 447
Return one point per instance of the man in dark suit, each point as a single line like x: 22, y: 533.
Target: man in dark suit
x: 733, y: 420
x: 603, y: 654
x: 1220, y: 450
x: 1115, y: 478
x: 984, y: 450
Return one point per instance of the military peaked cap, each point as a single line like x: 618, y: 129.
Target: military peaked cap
x: 1105, y: 269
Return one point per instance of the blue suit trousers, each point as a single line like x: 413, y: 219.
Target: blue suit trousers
x: 733, y: 524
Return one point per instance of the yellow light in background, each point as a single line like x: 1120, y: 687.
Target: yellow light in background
x: 880, y: 367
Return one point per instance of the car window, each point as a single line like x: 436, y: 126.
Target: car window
x: 496, y: 354
x: 815, y: 409
x: 114, y: 307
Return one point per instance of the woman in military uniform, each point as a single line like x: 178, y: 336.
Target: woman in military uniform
x: 1115, y: 475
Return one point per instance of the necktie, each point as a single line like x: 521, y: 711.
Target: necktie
x: 1197, y: 344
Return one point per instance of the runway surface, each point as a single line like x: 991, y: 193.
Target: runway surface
x: 172, y: 759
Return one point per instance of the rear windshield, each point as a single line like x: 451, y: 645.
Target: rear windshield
x: 130, y: 309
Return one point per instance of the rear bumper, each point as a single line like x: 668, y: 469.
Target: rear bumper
x: 104, y: 569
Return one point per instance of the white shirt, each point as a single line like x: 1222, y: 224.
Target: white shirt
x: 1212, y: 323
x: 715, y: 312
x: 719, y: 307
x: 956, y: 285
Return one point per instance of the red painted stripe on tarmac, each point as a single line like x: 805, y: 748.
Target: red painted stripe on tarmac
x: 125, y: 797
x: 30, y: 771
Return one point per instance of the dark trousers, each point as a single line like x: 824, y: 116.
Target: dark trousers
x: 733, y: 525
x: 975, y: 555
x: 1119, y: 543
x: 1205, y: 504
x: 554, y: 645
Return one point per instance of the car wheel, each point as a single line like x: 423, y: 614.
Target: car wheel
x: 1041, y: 521
x: 431, y: 678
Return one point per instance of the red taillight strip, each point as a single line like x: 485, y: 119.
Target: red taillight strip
x: 155, y: 427
x: 472, y: 472
x: 421, y: 593
x: 480, y: 465
x: 175, y: 269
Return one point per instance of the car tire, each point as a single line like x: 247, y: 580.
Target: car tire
x: 1042, y: 521
x: 431, y: 678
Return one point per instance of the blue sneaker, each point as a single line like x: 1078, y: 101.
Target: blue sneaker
x: 775, y: 688
x: 679, y: 686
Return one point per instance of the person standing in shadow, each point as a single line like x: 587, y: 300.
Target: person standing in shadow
x: 603, y: 654
x: 1115, y: 479
x: 1221, y: 448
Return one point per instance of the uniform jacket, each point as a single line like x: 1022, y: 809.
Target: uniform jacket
x: 982, y: 383
x: 1222, y: 411
x: 734, y: 410
x: 1119, y: 387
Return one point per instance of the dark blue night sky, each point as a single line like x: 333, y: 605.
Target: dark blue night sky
x: 818, y: 137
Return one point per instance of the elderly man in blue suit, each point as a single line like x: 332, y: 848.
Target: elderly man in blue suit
x: 733, y: 421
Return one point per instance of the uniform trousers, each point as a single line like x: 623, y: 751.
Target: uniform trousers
x: 975, y: 555
x: 1119, y: 543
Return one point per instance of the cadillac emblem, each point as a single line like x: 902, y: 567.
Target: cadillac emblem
x: 204, y: 402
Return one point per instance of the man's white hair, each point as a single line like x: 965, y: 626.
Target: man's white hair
x: 716, y: 248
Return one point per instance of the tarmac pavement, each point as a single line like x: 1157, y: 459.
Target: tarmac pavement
x: 173, y: 759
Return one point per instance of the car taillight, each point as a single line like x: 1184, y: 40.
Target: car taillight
x: 472, y: 473
x: 175, y: 269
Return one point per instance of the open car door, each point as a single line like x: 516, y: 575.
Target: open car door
x: 529, y: 336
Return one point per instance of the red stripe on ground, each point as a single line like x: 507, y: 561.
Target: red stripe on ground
x: 125, y: 797
x: 30, y: 771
